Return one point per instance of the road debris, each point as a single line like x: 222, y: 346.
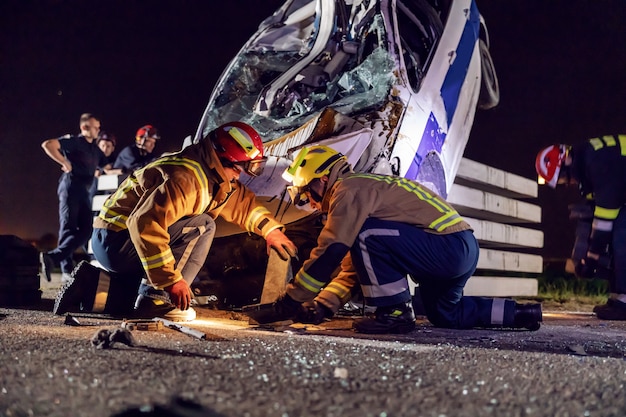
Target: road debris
x: 144, y: 325
x: 71, y: 321
x: 105, y: 338
x: 577, y: 350
x: 183, y: 329
x: 341, y: 373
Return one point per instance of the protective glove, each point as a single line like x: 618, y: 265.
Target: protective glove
x: 285, y: 247
x: 285, y: 308
x: 586, y: 268
x: 313, y: 312
x: 180, y: 294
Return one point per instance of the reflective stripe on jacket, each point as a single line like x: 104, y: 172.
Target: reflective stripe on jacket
x: 353, y: 199
x: 185, y: 184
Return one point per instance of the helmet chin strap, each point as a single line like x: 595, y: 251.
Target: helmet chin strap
x: 315, y: 196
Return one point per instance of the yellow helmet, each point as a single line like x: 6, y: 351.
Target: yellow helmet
x: 310, y: 163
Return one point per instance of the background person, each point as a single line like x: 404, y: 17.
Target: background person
x: 159, y: 225
x: 379, y: 229
x: 79, y: 158
x: 141, y: 153
x: 106, y: 142
x: 598, y: 167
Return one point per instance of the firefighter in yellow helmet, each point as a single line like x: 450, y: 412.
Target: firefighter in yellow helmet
x: 598, y: 167
x: 380, y: 229
x: 154, y: 233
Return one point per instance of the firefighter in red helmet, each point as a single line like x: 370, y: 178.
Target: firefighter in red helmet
x: 154, y: 233
x: 598, y: 167
x: 139, y: 154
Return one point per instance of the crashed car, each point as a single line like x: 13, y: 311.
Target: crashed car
x: 392, y: 84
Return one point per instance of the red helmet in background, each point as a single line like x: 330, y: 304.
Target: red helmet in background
x: 238, y: 145
x: 549, y: 162
x: 145, y: 132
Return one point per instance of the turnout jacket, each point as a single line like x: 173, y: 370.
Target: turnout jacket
x: 349, y: 201
x: 599, y: 166
x: 187, y: 183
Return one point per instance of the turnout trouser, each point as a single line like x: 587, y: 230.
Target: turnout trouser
x: 618, y: 247
x: 190, y: 241
x: 385, y: 252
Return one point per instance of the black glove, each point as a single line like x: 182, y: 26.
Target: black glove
x: 285, y: 308
x: 313, y: 312
x: 586, y: 268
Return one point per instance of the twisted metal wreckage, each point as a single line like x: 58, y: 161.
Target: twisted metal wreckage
x: 392, y: 84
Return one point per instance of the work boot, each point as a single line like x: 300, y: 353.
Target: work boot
x: 81, y: 287
x: 395, y: 319
x: 47, y: 265
x: 612, y: 310
x: 527, y: 316
x: 601, y: 307
x: 149, y: 308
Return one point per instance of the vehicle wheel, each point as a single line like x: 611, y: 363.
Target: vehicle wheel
x: 489, y: 88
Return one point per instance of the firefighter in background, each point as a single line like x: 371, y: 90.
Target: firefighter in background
x: 598, y: 167
x: 380, y: 229
x: 141, y: 153
x: 154, y: 233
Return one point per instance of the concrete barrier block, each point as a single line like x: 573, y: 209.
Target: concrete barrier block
x: 488, y: 206
x: 98, y: 201
x: 109, y: 182
x: 486, y: 178
x: 509, y: 261
x: 501, y: 287
x: 504, y: 235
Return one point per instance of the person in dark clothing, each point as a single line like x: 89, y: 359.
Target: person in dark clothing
x: 141, y: 153
x: 106, y: 142
x: 79, y: 157
x: 598, y: 167
x: 379, y: 230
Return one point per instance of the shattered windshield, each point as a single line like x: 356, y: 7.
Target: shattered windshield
x: 301, y: 64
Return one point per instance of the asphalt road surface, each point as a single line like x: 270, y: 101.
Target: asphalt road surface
x: 573, y: 366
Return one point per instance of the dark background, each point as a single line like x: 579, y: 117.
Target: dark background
x: 561, y: 66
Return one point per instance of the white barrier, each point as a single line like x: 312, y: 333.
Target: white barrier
x: 490, y: 200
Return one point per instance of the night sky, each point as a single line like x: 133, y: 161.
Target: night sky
x: 561, y: 66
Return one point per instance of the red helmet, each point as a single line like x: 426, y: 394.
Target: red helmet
x: 549, y: 161
x: 145, y: 132
x: 238, y: 145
